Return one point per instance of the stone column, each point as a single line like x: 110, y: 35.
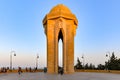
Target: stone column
x: 70, y: 51
x: 50, y: 50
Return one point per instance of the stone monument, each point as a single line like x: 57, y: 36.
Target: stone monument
x: 60, y: 23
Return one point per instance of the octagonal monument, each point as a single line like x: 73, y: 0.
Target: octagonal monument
x: 60, y: 23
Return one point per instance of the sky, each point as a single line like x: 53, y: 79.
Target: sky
x: 21, y: 30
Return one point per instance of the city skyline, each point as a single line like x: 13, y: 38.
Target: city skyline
x: 21, y: 30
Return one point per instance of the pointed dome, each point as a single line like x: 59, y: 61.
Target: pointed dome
x: 60, y: 8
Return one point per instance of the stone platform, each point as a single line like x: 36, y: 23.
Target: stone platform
x: 75, y: 76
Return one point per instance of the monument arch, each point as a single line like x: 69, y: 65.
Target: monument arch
x: 60, y: 23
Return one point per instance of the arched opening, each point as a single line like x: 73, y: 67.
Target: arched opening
x: 60, y: 35
x: 60, y: 50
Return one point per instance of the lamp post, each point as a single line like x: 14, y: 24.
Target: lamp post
x: 83, y: 61
x: 11, y: 53
x: 37, y: 61
x: 108, y: 55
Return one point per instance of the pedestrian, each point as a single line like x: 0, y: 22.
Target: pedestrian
x: 19, y: 70
x: 61, y: 71
x: 35, y: 69
x: 30, y: 69
x: 26, y: 69
x: 45, y: 69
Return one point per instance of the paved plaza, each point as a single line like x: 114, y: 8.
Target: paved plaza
x: 75, y: 76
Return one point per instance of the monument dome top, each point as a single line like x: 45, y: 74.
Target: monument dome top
x: 62, y: 11
x: 60, y: 8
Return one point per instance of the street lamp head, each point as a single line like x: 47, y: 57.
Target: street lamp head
x: 14, y: 54
x: 37, y: 56
x: 106, y: 55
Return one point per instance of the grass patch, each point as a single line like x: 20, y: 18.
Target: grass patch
x: 100, y: 71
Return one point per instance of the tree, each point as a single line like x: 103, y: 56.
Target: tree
x: 79, y: 64
x: 119, y: 64
x: 86, y: 66
x: 101, y: 67
x: 91, y: 66
x: 113, y: 63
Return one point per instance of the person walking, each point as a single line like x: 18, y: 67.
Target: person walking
x: 26, y: 69
x: 61, y: 71
x: 19, y: 70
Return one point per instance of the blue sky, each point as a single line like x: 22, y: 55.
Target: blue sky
x: 21, y: 29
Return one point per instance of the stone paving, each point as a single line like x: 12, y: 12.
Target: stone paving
x: 75, y: 76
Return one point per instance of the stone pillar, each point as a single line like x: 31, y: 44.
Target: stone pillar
x: 50, y: 51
